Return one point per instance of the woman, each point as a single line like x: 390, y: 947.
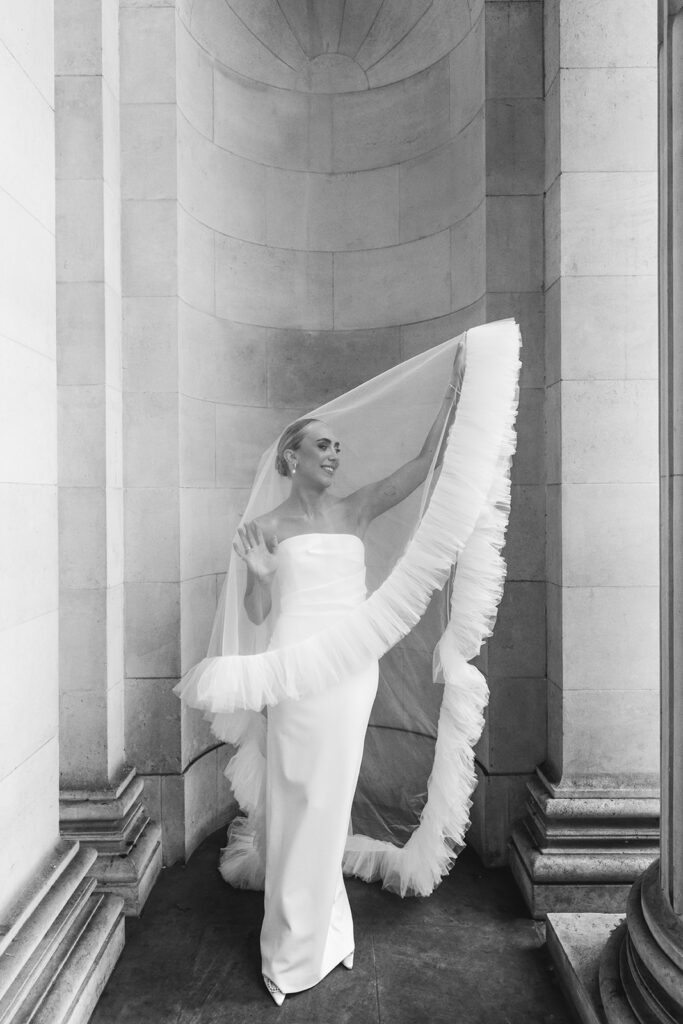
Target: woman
x: 303, y: 559
x: 315, y: 745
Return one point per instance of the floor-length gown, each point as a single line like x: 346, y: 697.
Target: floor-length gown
x: 314, y: 751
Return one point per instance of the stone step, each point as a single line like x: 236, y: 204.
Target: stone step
x: 49, y: 956
x: 575, y: 943
x: 44, y: 879
x: 58, y: 962
x: 71, y: 996
x: 34, y: 928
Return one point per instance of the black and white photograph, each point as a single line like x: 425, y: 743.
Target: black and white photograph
x: 341, y: 511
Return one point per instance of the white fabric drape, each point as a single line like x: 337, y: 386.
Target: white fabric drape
x: 457, y: 520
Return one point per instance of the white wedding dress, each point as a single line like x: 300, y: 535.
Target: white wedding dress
x: 317, y: 673
x: 314, y: 751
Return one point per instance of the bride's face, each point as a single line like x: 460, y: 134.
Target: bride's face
x: 317, y: 457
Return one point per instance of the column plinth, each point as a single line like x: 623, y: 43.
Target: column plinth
x: 580, y: 848
x: 113, y: 821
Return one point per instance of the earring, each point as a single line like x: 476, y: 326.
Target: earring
x: 292, y: 468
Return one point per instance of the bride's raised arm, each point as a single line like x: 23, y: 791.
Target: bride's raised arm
x: 374, y: 499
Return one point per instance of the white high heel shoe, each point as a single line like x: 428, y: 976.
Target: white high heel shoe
x: 278, y: 996
x: 348, y: 961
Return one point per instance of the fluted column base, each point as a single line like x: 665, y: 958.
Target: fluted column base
x: 641, y: 971
x: 115, y: 823
x: 581, y: 851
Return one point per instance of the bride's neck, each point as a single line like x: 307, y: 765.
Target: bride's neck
x: 309, y: 501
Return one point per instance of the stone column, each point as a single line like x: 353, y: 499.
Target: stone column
x: 591, y: 825
x: 176, y: 535
x: 100, y: 799
x: 59, y: 939
x: 641, y: 973
x: 514, y: 738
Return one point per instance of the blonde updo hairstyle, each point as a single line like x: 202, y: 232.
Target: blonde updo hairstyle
x: 290, y: 440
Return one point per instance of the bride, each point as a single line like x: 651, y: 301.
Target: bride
x: 315, y: 744
x: 303, y: 579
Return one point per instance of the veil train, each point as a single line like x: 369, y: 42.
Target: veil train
x: 436, y: 573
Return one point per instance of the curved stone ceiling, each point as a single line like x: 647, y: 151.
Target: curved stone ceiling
x: 330, y: 45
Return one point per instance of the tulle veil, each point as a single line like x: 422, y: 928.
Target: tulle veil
x: 435, y: 578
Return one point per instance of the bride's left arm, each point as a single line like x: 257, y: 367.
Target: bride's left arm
x: 376, y: 498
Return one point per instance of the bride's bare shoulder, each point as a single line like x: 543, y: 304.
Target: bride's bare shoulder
x: 271, y: 522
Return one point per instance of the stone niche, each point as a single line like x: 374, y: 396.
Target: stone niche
x: 304, y: 193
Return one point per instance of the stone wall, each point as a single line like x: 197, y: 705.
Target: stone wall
x: 295, y: 221
x: 28, y: 450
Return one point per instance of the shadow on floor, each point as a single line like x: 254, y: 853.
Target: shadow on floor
x: 468, y: 954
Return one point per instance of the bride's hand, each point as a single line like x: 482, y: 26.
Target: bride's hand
x: 258, y: 554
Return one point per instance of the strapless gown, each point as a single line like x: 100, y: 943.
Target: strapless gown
x: 314, y: 751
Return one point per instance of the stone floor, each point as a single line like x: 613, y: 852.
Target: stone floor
x: 467, y: 955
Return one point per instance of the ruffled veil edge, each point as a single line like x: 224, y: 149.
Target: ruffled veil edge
x: 463, y: 525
